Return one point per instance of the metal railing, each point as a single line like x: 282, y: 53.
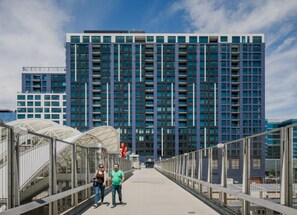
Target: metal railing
x: 236, y: 176
x: 51, y: 176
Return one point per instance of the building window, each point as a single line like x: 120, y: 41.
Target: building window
x: 235, y: 39
x: 129, y: 39
x: 193, y: 39
x: 215, y: 164
x: 120, y: 39
x: 21, y: 103
x: 235, y: 163
x: 256, y: 163
x: 149, y: 39
x: 224, y: 39
x: 160, y: 39
x: 21, y: 97
x: 55, y: 97
x: 181, y: 39
x: 21, y: 116
x: 21, y: 110
x: 257, y: 39
x: 107, y: 39
x: 74, y: 39
x: 86, y: 39
x: 55, y: 103
x: 38, y: 110
x: 203, y: 39
x: 30, y: 97
x: 171, y: 39
x: 37, y: 97
x: 55, y: 116
x: 96, y: 39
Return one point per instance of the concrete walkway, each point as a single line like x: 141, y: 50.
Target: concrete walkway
x: 148, y: 192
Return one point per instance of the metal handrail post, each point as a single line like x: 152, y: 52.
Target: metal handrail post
x: 87, y: 174
x: 187, y: 156
x: 246, y: 175
x: 286, y: 166
x: 192, y: 168
x: 53, y: 209
x: 209, y: 172
x: 224, y: 175
x: 200, y: 170
x: 74, y: 197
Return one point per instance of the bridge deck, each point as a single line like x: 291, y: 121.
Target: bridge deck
x: 148, y: 192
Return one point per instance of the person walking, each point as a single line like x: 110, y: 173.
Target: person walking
x: 99, y: 184
x: 117, y: 179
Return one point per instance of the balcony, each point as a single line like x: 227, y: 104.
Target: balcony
x: 149, y: 89
x: 149, y: 59
x: 149, y: 97
x: 149, y: 67
x: 182, y: 89
x: 96, y: 60
x: 97, y: 68
x: 150, y: 74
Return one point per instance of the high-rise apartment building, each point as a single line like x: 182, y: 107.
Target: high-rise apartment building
x: 167, y: 93
x: 43, y: 94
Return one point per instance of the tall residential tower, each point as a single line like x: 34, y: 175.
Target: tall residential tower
x: 167, y: 93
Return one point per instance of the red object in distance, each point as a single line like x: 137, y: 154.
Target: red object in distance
x: 123, y: 150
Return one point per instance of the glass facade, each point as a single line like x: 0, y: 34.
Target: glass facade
x: 167, y: 94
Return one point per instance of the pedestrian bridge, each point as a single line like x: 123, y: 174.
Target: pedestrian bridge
x: 149, y: 192
x: 48, y: 169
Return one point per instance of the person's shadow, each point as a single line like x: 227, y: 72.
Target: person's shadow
x: 106, y: 203
x: 123, y: 203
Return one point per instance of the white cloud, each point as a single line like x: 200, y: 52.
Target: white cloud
x: 31, y: 34
x: 275, y: 18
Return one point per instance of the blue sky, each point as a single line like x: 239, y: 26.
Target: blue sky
x: 32, y: 33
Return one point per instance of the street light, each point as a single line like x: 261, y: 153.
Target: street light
x: 220, y: 145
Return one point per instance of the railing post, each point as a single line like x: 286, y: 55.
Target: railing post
x: 192, y: 168
x: 183, y: 157
x: 209, y: 172
x: 200, y: 154
x: 224, y: 175
x: 87, y: 175
x: 286, y: 166
x: 246, y: 175
x: 12, y: 174
x: 187, y: 156
x: 53, y: 209
x: 74, y: 197
x: 13, y: 198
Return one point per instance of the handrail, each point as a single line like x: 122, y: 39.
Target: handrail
x: 267, y: 204
x: 50, y: 199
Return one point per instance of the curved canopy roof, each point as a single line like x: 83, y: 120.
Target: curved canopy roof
x: 105, y: 135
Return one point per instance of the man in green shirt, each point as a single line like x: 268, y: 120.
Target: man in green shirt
x: 117, y: 179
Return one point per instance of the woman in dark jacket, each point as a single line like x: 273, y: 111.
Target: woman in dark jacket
x: 99, y: 184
